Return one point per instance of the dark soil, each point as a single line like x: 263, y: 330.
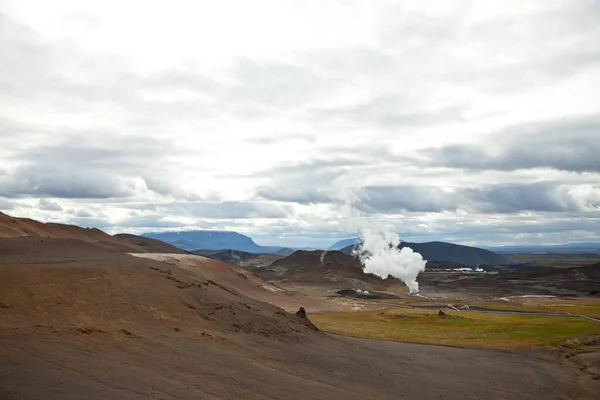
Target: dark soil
x: 371, y: 295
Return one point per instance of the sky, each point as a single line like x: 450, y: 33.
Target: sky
x: 299, y: 122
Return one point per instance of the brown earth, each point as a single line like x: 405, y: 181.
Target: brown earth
x: 577, y: 281
x: 323, y: 268
x: 249, y: 261
x: 78, y: 320
x: 242, y: 281
x: 148, y: 245
x: 13, y: 227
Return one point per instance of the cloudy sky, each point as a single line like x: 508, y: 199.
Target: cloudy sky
x: 298, y: 122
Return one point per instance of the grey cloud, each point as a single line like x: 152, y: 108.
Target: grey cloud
x: 544, y: 197
x: 220, y: 210
x: 143, y: 220
x: 317, y: 166
x: 391, y: 112
x: 329, y: 164
x: 236, y: 210
x: 502, y: 199
x: 272, y: 84
x: 49, y: 205
x: 98, y: 149
x: 284, y: 137
x: 90, y: 166
x: 63, y: 183
x: 311, y: 181
x: 544, y: 62
x: 397, y: 199
x: 295, y: 194
x: 569, y: 145
x: 37, y: 66
x: 81, y: 213
x: 7, y: 204
x: 168, y: 188
x: 307, y: 175
x: 518, y: 231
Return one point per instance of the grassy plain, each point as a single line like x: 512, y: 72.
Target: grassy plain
x: 461, y: 329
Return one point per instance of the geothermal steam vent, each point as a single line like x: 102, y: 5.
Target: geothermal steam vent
x: 380, y: 256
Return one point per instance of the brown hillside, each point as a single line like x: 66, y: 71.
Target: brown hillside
x: 12, y: 227
x: 99, y: 291
x: 36, y: 249
x: 149, y: 245
x: 321, y: 268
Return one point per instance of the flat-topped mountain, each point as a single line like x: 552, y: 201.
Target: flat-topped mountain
x: 215, y: 240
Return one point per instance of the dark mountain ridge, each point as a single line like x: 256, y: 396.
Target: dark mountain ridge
x: 450, y: 252
x: 568, y: 248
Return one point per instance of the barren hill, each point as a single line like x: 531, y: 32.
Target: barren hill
x: 240, y: 258
x: 14, y: 227
x: 321, y: 268
x: 149, y: 245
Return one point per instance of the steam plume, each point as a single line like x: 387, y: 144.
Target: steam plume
x: 380, y: 255
x: 323, y: 256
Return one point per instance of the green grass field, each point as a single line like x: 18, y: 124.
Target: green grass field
x: 462, y: 329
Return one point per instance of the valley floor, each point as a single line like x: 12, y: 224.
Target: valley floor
x: 49, y: 363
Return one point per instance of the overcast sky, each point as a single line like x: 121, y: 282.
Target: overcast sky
x: 297, y: 122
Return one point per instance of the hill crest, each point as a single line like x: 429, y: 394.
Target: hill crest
x: 16, y: 227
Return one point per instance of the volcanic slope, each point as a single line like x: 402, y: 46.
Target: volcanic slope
x: 13, y: 227
x: 322, y: 268
x: 104, y: 325
x: 149, y: 245
x: 240, y: 258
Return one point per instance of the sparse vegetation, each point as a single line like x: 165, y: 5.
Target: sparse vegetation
x: 462, y: 329
x: 591, y: 309
x: 556, y: 260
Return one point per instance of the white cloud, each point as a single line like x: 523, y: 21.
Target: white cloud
x: 466, y: 118
x: 49, y: 205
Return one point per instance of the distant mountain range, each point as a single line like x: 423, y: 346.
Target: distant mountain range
x: 557, y: 248
x: 344, y: 243
x: 215, y: 240
x: 456, y: 253
x: 226, y: 240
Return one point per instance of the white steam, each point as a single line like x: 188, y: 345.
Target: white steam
x: 323, y: 253
x: 380, y: 256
